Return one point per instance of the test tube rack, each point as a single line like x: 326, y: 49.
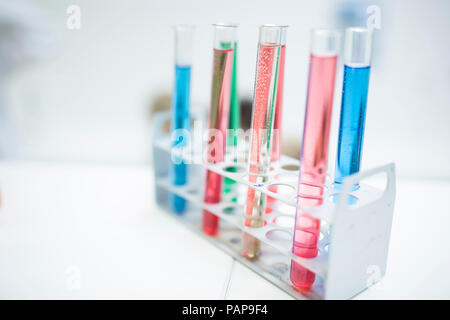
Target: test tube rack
x: 351, y: 258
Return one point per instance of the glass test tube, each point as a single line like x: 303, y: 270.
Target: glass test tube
x: 224, y: 39
x: 276, y: 145
x: 357, y: 56
x: 184, y: 38
x: 234, y: 122
x: 264, y: 108
x: 314, y: 151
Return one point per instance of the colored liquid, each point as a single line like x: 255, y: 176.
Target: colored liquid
x: 352, y: 121
x: 264, y: 106
x: 276, y: 145
x: 235, y: 119
x: 218, y: 119
x: 313, y: 160
x: 180, y: 120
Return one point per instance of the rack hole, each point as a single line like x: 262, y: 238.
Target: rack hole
x: 281, y: 188
x: 378, y: 180
x: 324, y: 228
x: 229, y: 210
x: 284, y: 221
x: 351, y: 200
x: 234, y: 169
x: 290, y: 167
x: 285, y: 208
x: 192, y: 190
x: 166, y: 126
x: 279, y: 235
x: 235, y: 240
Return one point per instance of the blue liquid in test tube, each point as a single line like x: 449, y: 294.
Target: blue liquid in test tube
x: 184, y: 36
x: 353, y: 116
x: 355, y: 88
x: 180, y: 120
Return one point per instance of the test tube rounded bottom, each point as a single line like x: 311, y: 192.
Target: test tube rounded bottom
x: 250, y: 246
x: 212, y: 195
x: 254, y: 218
x: 301, y: 277
x: 179, y: 178
x: 178, y: 204
x: 210, y: 223
x: 306, y: 237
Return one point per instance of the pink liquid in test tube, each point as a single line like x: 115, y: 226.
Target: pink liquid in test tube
x: 276, y: 145
x: 264, y: 108
x: 218, y: 119
x: 314, y: 152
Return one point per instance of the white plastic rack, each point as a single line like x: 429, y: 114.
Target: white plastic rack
x: 351, y: 258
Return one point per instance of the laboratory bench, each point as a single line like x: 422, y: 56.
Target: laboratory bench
x: 91, y: 231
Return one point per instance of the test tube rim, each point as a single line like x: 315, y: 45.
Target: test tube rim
x: 368, y: 34
x: 279, y: 28
x: 225, y: 25
x: 326, y: 31
x: 184, y: 26
x: 274, y: 26
x: 359, y: 29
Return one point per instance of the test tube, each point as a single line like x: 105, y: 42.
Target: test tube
x: 184, y: 38
x: 314, y: 150
x: 234, y: 122
x: 357, y: 56
x: 235, y: 110
x: 264, y: 109
x: 224, y: 39
x: 276, y: 145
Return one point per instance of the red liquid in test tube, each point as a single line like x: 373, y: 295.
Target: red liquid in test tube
x: 218, y: 119
x: 314, y: 152
x: 276, y: 145
x: 264, y: 108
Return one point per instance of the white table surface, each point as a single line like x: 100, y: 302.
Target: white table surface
x: 94, y: 231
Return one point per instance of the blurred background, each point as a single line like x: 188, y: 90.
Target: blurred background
x: 87, y: 94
